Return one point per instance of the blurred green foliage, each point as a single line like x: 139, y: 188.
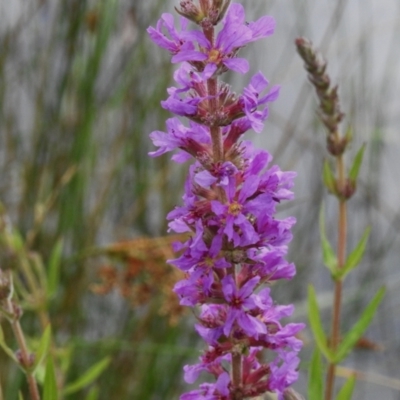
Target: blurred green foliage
x: 80, y: 88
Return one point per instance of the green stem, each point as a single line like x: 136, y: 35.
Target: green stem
x: 341, y: 256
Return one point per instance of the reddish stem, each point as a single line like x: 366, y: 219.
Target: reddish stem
x: 218, y: 156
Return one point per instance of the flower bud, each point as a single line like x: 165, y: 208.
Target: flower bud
x: 220, y: 7
x: 190, y: 11
x: 16, y: 311
x: 25, y: 363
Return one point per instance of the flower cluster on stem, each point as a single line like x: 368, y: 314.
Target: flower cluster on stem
x: 237, y: 247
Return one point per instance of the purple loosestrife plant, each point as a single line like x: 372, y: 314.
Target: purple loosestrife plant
x: 237, y: 246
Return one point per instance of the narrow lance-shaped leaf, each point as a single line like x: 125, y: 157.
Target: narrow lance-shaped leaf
x: 7, y: 350
x: 316, y: 325
x: 54, y: 269
x: 349, y: 134
x: 355, y: 168
x: 93, y: 394
x: 40, y: 271
x: 346, y: 392
x: 16, y: 241
x: 88, y: 377
x: 43, y: 347
x: 328, y: 255
x: 315, y: 377
x: 50, y: 391
x: 359, y: 327
x: 328, y: 177
x: 356, y: 255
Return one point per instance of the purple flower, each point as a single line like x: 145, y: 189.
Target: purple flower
x: 178, y: 42
x: 234, y: 215
x: 210, y: 362
x: 234, y: 35
x: 221, y: 174
x: 194, y: 140
x: 189, y: 78
x: 251, y: 100
x: 240, y: 303
x: 283, y: 372
x: 202, y: 261
x: 270, y: 265
x: 217, y: 391
x: 212, y: 319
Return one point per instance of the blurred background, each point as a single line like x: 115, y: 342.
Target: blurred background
x: 80, y: 87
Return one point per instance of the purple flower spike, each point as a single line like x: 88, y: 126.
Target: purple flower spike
x: 236, y: 245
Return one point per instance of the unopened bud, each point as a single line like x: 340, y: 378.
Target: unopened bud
x: 336, y: 145
x: 220, y: 7
x: 190, y: 11
x: 25, y: 363
x: 16, y: 311
x: 236, y: 256
x: 348, y: 190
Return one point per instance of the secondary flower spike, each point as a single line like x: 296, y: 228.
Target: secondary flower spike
x: 237, y: 246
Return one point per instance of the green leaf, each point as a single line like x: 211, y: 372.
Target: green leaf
x: 53, y: 272
x: 7, y: 350
x: 316, y: 325
x: 328, y: 254
x: 346, y: 391
x: 349, y: 134
x: 50, y: 383
x: 355, y: 168
x: 356, y: 255
x: 328, y: 178
x: 359, y: 327
x: 44, y: 346
x: 20, y: 397
x: 93, y: 394
x: 64, y: 355
x: 315, y: 378
x: 17, y: 242
x: 88, y: 377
